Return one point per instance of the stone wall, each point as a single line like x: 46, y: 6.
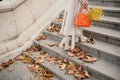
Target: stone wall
x: 20, y: 19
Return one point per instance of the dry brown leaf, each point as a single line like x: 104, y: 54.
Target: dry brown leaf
x: 59, y: 20
x: 51, y: 44
x: 70, y: 72
x: 70, y: 69
x: 10, y: 69
x: 70, y: 54
x: 27, y: 59
x: 41, y: 37
x: 60, y: 62
x: 20, y: 57
x: 51, y: 28
x: 6, y: 64
x: 87, y: 74
x: 57, y: 29
x: 79, y: 76
x: 75, y: 50
x: 48, y: 74
x: 79, y: 67
x: 63, y: 66
x: 33, y: 67
x: 91, y: 40
x: 1, y: 68
x: 52, y: 59
x: 81, y: 55
x: 40, y: 58
x: 89, y: 59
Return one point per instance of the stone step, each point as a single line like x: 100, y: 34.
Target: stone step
x: 114, y: 3
x: 20, y: 72
x: 101, y: 69
x: 100, y: 49
x: 101, y: 33
x: 54, y: 68
x: 108, y: 10
x: 109, y: 20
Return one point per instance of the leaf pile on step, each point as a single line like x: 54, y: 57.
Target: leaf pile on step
x: 60, y: 18
x: 41, y: 37
x: 32, y: 49
x: 53, y: 28
x: 77, y: 70
x: 80, y: 54
x: 6, y: 64
x: 39, y: 72
x: 25, y: 59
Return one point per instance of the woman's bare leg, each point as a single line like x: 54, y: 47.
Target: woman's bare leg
x: 65, y: 41
x: 73, y: 42
x: 83, y: 38
x: 76, y: 38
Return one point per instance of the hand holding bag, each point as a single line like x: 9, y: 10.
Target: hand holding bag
x: 82, y: 19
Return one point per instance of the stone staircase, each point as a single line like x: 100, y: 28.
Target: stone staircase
x: 106, y: 47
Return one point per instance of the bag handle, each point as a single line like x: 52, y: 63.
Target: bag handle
x: 83, y: 6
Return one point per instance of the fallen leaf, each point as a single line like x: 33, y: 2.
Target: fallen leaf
x: 89, y: 59
x: 6, y: 64
x: 70, y: 72
x: 1, y: 68
x: 51, y: 44
x: 51, y: 28
x: 75, y: 50
x: 87, y: 74
x: 33, y: 67
x: 52, y: 59
x: 41, y: 37
x: 20, y: 57
x: 79, y: 76
x: 79, y: 67
x: 59, y: 20
x: 63, y: 66
x: 70, y: 54
x: 70, y: 69
x: 48, y: 74
x: 91, y: 40
x: 40, y: 58
x: 27, y: 59
x: 57, y: 29
x: 10, y: 69
x: 81, y: 55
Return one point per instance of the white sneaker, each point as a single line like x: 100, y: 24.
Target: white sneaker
x: 83, y: 39
x: 65, y: 42
x: 76, y: 38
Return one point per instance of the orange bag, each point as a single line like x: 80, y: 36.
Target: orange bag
x: 82, y: 20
